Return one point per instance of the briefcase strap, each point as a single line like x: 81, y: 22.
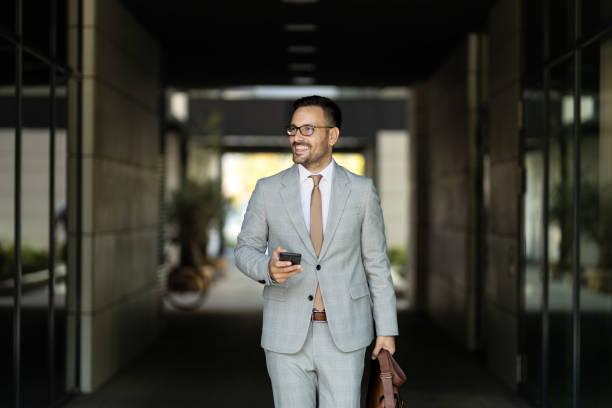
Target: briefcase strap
x: 386, y: 375
x: 388, y: 389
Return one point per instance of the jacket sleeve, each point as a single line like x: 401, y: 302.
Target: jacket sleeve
x: 377, y: 267
x: 250, y: 251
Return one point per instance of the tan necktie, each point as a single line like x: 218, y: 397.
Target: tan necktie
x: 316, y: 230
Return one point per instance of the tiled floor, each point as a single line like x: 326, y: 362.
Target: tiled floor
x: 212, y: 358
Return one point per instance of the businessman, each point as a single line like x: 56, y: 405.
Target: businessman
x: 319, y: 316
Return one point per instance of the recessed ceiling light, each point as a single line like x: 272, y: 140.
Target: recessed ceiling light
x: 302, y: 66
x: 301, y: 27
x: 300, y: 1
x: 302, y: 49
x: 303, y: 80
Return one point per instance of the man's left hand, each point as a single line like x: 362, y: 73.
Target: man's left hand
x: 383, y: 342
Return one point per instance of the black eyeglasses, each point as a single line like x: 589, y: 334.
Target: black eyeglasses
x: 305, y: 130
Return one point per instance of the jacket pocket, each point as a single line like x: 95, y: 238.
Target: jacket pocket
x: 278, y: 293
x: 359, y: 290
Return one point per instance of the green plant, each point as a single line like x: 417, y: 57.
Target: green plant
x: 596, y: 219
x: 32, y: 260
x: 561, y: 213
x: 397, y: 255
x: 195, y: 209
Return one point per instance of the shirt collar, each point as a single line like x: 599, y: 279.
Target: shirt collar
x: 327, y: 172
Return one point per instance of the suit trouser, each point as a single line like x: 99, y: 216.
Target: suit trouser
x: 319, y: 371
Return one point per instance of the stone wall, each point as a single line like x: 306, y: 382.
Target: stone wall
x: 447, y: 180
x: 501, y: 298
x: 121, y: 310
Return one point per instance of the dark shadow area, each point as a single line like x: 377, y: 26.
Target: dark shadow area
x: 210, y: 359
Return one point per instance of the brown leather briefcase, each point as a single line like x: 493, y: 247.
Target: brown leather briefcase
x: 385, y: 380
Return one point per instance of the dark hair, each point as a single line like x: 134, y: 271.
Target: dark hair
x: 330, y: 108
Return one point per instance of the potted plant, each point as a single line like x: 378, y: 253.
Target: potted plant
x: 397, y: 259
x: 596, y: 222
x: 194, y: 210
x: 561, y: 214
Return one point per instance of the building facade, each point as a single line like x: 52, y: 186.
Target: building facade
x: 508, y: 148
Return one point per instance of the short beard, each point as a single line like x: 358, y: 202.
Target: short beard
x: 310, y: 160
x: 294, y: 155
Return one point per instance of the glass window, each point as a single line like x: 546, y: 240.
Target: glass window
x: 43, y: 214
x: 7, y: 215
x: 533, y: 34
x: 35, y: 233
x: 533, y: 102
x: 61, y: 237
x: 37, y: 24
x: 595, y: 15
x: 7, y: 16
x: 596, y: 225
x: 62, y: 32
x: 560, y: 232
x: 561, y: 15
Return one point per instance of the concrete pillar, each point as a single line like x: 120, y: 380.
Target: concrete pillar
x: 501, y: 298
x: 605, y: 118
x: 392, y: 162
x: 420, y: 158
x: 447, y: 179
x: 120, y: 310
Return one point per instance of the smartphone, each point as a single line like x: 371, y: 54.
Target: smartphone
x: 295, y: 258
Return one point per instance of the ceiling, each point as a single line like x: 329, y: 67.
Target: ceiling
x: 349, y: 42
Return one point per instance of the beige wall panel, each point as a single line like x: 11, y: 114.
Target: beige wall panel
x: 126, y: 197
x: 503, y: 124
x: 446, y: 257
x: 117, y: 334
x: 449, y: 203
x: 125, y: 130
x: 451, y: 105
x: 120, y: 290
x: 123, y: 265
x: 138, y: 323
x: 501, y: 337
x: 87, y: 193
x: 504, y: 67
x: 438, y: 217
x: 137, y: 251
x: 122, y: 28
x: 87, y: 276
x: 103, y: 337
x: 503, y: 20
x: 457, y: 202
x: 121, y: 70
x: 447, y: 308
x: 450, y: 176
x: 502, y: 274
x: 505, y: 190
x: 454, y: 68
x: 88, y: 121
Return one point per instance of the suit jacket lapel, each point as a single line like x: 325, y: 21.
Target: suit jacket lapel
x: 341, y: 190
x: 290, y: 193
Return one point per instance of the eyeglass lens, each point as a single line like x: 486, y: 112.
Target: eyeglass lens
x: 305, y: 130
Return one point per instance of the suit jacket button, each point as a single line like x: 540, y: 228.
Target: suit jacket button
x: 318, y: 267
x: 261, y: 281
x: 310, y: 297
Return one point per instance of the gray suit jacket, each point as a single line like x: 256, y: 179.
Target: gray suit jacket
x: 352, y: 268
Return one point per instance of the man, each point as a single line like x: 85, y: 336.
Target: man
x: 318, y: 316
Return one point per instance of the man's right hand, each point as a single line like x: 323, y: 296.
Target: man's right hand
x: 280, y: 271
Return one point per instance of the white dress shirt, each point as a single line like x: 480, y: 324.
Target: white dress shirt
x: 306, y: 186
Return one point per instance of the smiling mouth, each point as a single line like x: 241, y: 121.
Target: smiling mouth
x: 301, y: 149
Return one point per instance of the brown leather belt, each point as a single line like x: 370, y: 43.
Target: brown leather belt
x: 319, y: 316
